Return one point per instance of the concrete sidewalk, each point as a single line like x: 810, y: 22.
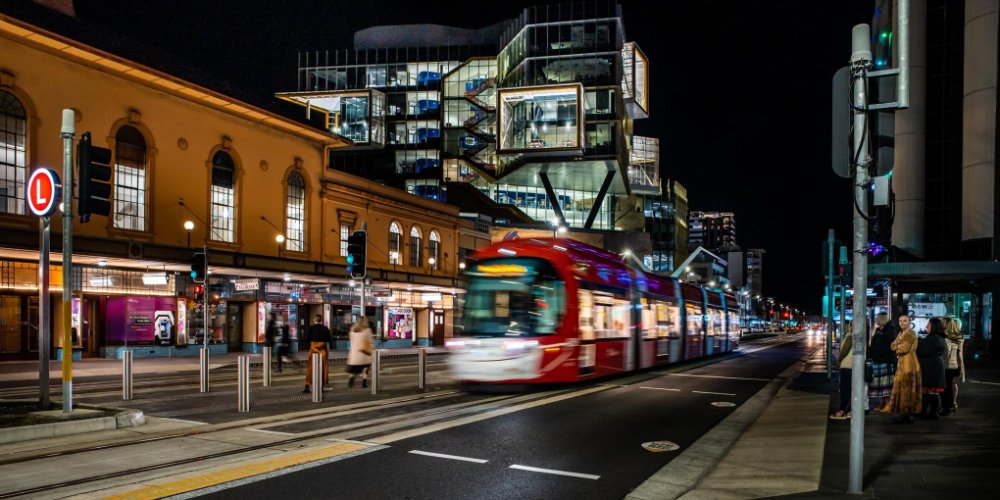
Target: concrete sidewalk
x: 793, y: 450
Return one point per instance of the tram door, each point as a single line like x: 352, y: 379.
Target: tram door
x: 437, y: 327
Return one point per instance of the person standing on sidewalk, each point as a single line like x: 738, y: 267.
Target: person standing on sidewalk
x: 883, y: 361
x: 905, y: 397
x: 319, y: 338
x: 359, y: 358
x: 846, y: 361
x: 932, y: 352
x: 956, y: 364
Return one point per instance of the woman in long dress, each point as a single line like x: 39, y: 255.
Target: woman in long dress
x: 905, y: 399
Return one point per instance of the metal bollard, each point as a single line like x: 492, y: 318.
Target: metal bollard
x: 375, y: 369
x: 267, y: 366
x: 126, y: 375
x: 422, y: 368
x: 243, y: 385
x: 317, y: 377
x: 204, y: 369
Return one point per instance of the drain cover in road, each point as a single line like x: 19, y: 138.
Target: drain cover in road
x: 723, y: 404
x: 658, y: 446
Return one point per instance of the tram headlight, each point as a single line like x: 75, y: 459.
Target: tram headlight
x: 518, y: 344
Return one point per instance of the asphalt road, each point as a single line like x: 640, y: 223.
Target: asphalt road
x: 583, y: 447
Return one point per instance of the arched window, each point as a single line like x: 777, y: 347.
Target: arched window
x: 415, y: 246
x: 130, y: 179
x: 395, y: 241
x: 295, y: 213
x: 223, y: 197
x: 434, y: 248
x: 13, y: 151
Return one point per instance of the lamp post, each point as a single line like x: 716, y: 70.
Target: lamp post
x: 279, y: 239
x: 431, y: 261
x: 188, y: 226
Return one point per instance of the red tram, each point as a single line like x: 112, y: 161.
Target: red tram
x: 547, y: 310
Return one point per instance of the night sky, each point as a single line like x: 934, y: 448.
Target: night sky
x: 739, y: 96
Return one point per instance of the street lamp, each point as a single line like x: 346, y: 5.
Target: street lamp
x: 188, y: 226
x: 280, y: 238
x: 431, y: 261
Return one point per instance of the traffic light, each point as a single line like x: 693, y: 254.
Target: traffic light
x: 199, y: 267
x: 94, y: 166
x: 845, y: 269
x: 357, y: 246
x: 882, y: 34
x: 199, y: 293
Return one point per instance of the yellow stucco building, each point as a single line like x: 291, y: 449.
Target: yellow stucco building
x: 193, y: 168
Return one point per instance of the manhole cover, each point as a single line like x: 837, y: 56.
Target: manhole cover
x: 658, y: 446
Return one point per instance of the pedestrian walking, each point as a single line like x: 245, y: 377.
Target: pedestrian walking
x: 905, y: 397
x: 932, y: 352
x: 283, y: 345
x: 956, y: 365
x: 883, y: 362
x: 319, y: 338
x: 359, y: 358
x: 845, y: 360
x: 272, y: 334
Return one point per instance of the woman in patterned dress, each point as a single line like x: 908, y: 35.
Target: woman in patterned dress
x: 883, y: 362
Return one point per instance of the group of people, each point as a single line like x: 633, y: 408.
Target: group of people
x: 909, y: 375
x: 319, y: 339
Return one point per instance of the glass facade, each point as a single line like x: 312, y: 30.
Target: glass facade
x: 540, y: 118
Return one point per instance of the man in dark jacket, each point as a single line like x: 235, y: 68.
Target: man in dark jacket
x: 319, y: 338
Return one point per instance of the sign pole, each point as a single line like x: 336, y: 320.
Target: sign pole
x: 42, y: 199
x: 68, y: 134
x: 44, y: 315
x: 830, y: 242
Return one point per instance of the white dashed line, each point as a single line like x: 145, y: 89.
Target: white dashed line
x: 556, y: 472
x: 716, y: 393
x: 450, y: 457
x: 983, y: 382
x: 659, y: 388
x: 719, y: 377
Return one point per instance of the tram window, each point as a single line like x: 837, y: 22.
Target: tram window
x: 513, y: 306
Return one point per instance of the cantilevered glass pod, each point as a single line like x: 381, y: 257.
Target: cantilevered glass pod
x: 539, y: 119
x: 635, y: 81
x: 644, y: 165
x: 355, y: 115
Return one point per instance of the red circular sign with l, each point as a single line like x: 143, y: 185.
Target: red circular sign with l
x: 43, y: 192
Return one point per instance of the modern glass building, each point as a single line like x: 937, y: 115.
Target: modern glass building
x: 528, y: 121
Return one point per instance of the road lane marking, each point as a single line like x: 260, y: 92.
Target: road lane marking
x: 450, y: 457
x: 271, y: 432
x: 983, y: 382
x: 718, y: 377
x: 659, y: 388
x: 716, y: 393
x: 555, y: 472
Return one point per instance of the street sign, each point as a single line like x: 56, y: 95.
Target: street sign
x: 43, y: 192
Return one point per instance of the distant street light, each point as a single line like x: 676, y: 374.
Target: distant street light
x: 188, y: 226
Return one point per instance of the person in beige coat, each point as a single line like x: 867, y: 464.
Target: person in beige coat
x: 359, y: 358
x: 906, y: 399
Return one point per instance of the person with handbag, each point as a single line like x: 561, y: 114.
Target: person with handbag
x: 359, y: 358
x: 955, y: 370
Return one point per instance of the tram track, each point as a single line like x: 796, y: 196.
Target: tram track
x: 369, y: 427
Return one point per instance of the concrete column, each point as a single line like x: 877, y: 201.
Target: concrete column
x: 979, y: 119
x: 909, y: 164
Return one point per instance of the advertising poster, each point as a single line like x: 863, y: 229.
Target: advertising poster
x: 261, y: 321
x: 141, y: 319
x: 399, y: 323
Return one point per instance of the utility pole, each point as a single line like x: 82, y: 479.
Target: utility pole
x: 830, y: 242
x: 68, y: 133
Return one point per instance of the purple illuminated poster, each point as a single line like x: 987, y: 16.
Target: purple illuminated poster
x: 141, y: 319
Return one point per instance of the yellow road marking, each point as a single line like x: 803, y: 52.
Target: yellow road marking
x: 214, y: 478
